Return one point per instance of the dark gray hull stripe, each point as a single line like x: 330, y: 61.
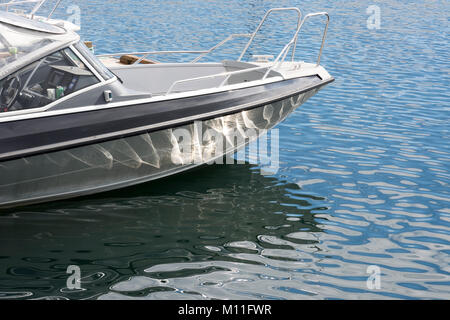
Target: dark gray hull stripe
x: 37, y: 131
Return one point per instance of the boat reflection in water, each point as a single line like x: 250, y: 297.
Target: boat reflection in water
x: 212, y: 218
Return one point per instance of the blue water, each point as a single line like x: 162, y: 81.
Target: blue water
x: 363, y: 180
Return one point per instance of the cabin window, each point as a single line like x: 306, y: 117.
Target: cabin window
x: 45, y: 81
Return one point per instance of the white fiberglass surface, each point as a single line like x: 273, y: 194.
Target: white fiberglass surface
x: 22, y: 21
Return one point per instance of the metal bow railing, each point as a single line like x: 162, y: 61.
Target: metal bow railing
x: 276, y: 63
x: 37, y: 5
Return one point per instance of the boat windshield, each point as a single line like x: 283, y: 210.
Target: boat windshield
x: 15, y: 43
x: 45, y: 81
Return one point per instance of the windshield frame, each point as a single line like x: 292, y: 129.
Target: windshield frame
x: 92, y: 60
x: 56, y: 42
x: 88, y: 65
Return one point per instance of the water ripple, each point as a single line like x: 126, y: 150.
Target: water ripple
x: 363, y: 180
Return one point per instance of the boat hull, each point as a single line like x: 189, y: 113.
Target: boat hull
x: 70, y: 127
x: 131, y: 160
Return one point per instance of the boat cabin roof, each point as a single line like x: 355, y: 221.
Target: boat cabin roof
x: 24, y: 40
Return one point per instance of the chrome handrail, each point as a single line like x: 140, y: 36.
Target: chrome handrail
x: 294, y: 40
x: 299, y: 13
x: 223, y: 74
x: 202, y: 53
x: 227, y: 75
x: 147, y: 53
x: 37, y: 6
x: 276, y: 64
x: 15, y: 3
x: 206, y: 52
x: 150, y: 52
x: 221, y: 43
x: 54, y: 9
x: 310, y: 15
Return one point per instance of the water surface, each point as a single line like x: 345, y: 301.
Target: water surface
x: 363, y: 180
